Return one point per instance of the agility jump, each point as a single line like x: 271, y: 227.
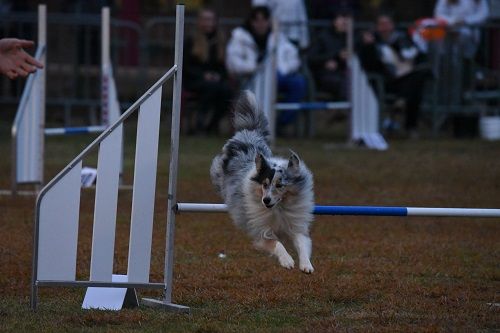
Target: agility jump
x: 57, y: 208
x: 28, y: 130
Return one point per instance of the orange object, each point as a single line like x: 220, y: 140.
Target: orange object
x: 430, y: 29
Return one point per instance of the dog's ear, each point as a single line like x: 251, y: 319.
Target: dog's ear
x: 262, y: 168
x: 260, y: 162
x: 293, y: 162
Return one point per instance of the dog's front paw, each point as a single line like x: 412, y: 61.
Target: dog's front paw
x: 306, y: 267
x: 286, y: 261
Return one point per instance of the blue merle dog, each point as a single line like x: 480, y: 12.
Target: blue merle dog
x: 269, y: 197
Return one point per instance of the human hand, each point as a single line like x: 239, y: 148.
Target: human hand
x: 14, y: 61
x: 331, y: 65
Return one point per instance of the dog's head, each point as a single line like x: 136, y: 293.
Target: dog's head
x: 277, y: 180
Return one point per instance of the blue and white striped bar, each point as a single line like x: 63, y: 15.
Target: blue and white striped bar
x: 74, y: 130
x: 360, y: 210
x: 313, y: 106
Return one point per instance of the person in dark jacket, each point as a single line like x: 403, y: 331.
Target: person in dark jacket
x: 328, y: 57
x: 392, y: 54
x: 204, y: 72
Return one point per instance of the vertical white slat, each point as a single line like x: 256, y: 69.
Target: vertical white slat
x: 106, y: 198
x: 113, y: 104
x: 25, y: 145
x: 146, y: 155
x: 58, y: 228
x: 29, y: 138
x: 356, y: 99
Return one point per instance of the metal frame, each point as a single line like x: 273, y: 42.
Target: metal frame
x: 176, y: 71
x: 35, y: 283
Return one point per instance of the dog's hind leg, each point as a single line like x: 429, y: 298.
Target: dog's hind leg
x: 303, y: 245
x: 274, y: 247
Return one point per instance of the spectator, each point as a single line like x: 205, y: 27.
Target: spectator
x: 205, y: 73
x: 14, y: 61
x: 248, y: 55
x: 292, y: 18
x: 328, y: 57
x: 393, y: 55
x: 462, y: 15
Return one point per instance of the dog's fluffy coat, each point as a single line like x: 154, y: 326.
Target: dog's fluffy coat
x: 269, y: 197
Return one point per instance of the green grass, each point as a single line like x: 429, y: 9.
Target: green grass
x: 372, y: 274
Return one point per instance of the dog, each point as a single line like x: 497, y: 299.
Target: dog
x: 271, y: 198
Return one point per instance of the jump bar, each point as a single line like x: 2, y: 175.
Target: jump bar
x: 313, y: 106
x: 74, y: 130
x: 360, y: 210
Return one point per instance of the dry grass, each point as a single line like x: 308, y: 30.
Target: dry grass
x: 372, y: 274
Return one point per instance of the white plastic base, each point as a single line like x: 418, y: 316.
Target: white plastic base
x: 110, y: 298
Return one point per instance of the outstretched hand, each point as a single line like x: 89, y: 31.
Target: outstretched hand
x: 14, y: 61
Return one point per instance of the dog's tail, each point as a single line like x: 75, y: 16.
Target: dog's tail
x: 248, y: 116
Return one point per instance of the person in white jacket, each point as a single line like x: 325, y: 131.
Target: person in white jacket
x: 463, y: 15
x: 250, y: 54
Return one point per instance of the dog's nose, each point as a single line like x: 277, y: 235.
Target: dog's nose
x: 266, y: 200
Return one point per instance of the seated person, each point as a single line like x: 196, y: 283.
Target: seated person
x: 328, y: 58
x: 249, y: 48
x: 205, y: 72
x: 393, y: 55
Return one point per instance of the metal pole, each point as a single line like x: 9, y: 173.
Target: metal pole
x: 271, y: 101
x: 350, y: 82
x: 172, y: 176
x: 42, y: 43
x: 174, y: 152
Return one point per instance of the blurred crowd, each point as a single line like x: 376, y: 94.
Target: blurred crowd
x: 276, y: 54
x: 217, y: 66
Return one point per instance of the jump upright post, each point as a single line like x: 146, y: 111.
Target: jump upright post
x: 27, y: 129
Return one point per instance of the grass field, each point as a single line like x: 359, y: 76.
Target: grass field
x: 372, y: 274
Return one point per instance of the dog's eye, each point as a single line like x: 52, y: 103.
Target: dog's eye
x: 279, y: 185
x: 265, y: 185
